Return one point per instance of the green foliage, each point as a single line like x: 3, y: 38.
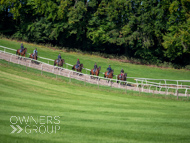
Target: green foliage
x: 156, y: 30
x: 177, y: 40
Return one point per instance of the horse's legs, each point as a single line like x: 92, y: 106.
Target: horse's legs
x: 18, y: 55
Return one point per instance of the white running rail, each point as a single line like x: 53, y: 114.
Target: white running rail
x: 140, y: 82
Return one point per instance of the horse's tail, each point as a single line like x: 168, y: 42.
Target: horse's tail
x: 90, y: 72
x: 16, y: 52
x: 73, y: 68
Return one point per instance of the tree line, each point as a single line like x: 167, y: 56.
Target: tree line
x: 153, y: 30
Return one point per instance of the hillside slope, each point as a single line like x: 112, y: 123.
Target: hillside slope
x: 89, y: 60
x: 86, y: 114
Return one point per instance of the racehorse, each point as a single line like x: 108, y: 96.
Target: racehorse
x: 110, y: 75
x: 35, y: 57
x: 21, y: 53
x: 79, y: 69
x: 123, y: 77
x: 61, y: 62
x: 97, y: 72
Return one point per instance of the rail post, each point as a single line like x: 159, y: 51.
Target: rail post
x: 41, y: 68
x: 137, y: 86
x: 126, y: 86
x: 26, y: 66
x: 11, y: 58
x: 149, y: 88
x: 30, y: 63
x: 69, y: 76
x: 186, y: 92
x: 85, y: 80
x: 177, y: 93
x: 98, y: 82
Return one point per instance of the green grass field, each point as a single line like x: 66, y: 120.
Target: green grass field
x: 86, y: 114
x: 89, y: 60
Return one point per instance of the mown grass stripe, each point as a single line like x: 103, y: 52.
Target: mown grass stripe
x: 87, y: 114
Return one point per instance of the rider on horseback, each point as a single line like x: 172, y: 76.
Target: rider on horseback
x: 78, y: 64
x: 21, y: 48
x: 122, y: 73
x: 109, y: 69
x: 59, y: 58
x: 35, y: 52
x: 95, y: 67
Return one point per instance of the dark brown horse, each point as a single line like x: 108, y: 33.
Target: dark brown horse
x: 23, y: 53
x: 61, y: 62
x: 110, y: 75
x: 123, y: 77
x: 79, y: 69
x: 97, y: 72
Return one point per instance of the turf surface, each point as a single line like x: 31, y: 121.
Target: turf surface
x: 86, y: 114
x: 89, y: 60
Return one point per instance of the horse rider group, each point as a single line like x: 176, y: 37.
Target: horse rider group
x: 77, y: 64
x: 34, y: 52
